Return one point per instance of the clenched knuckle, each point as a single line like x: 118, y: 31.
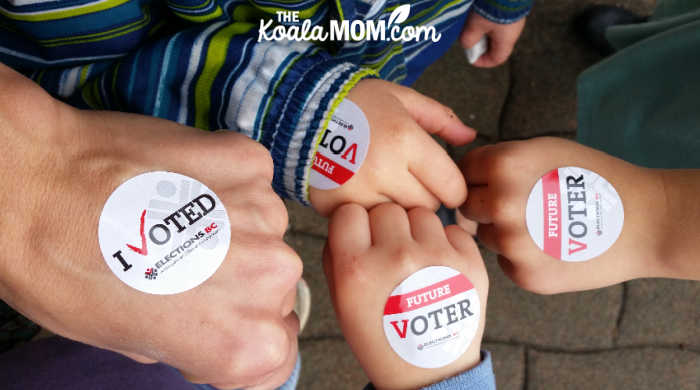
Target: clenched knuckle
x: 274, y: 211
x: 275, y: 349
x: 287, y: 263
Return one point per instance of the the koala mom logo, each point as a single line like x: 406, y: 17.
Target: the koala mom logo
x: 346, y: 30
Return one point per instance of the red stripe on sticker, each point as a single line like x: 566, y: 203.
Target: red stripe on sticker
x: 331, y: 169
x: 427, y: 295
x: 551, y: 198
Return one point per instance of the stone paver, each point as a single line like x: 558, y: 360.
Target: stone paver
x: 544, y: 68
x: 661, y: 311
x: 508, y: 365
x: 304, y: 219
x: 635, y: 368
x: 322, y: 322
x: 328, y: 364
x: 582, y: 321
x: 476, y: 95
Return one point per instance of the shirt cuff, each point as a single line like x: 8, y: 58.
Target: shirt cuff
x: 477, y: 378
x: 307, y: 98
x: 503, y: 11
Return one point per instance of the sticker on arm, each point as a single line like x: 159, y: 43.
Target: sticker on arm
x: 163, y: 232
x: 431, y: 317
x: 343, y: 147
x: 574, y: 214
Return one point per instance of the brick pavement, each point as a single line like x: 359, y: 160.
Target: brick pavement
x: 640, y: 335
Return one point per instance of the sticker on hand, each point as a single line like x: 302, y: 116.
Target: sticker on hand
x: 431, y: 318
x: 343, y: 147
x: 574, y: 214
x: 163, y: 233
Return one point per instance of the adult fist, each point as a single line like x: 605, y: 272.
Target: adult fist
x: 60, y: 165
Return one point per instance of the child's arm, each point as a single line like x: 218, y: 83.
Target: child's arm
x: 658, y: 230
x: 502, y: 25
x: 367, y: 256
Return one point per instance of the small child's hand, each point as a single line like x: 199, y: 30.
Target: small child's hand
x: 502, y: 38
x: 403, y: 164
x: 367, y: 256
x: 501, y: 178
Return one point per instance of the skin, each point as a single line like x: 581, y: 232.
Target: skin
x: 367, y: 255
x: 502, y: 38
x: 404, y: 164
x: 60, y: 164
x: 658, y: 238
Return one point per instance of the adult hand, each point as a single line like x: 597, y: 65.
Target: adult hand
x: 403, y: 164
x: 59, y: 165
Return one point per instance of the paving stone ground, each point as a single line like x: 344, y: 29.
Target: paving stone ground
x: 639, y: 335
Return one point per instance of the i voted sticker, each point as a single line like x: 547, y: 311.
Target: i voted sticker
x: 431, y: 318
x: 574, y: 214
x: 343, y: 147
x: 163, y: 232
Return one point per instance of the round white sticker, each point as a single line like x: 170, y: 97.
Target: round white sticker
x: 343, y: 147
x: 431, y: 318
x: 574, y: 214
x: 163, y: 233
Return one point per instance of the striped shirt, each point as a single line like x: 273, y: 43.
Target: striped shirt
x: 199, y: 62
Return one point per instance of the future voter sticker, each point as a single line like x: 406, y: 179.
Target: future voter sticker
x: 431, y: 318
x: 574, y: 214
x: 163, y: 232
x: 343, y: 147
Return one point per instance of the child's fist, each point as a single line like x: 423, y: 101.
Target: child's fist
x: 403, y: 164
x: 502, y: 38
x: 501, y: 178
x: 368, y: 255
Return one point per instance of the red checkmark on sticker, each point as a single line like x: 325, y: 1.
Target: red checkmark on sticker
x: 143, y: 250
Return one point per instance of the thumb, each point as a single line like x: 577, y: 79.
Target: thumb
x: 434, y: 117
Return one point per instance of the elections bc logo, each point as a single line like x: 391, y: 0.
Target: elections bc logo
x: 431, y: 318
x: 181, y: 231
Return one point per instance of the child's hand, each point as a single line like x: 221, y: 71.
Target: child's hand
x: 502, y: 38
x: 367, y: 256
x: 403, y: 164
x: 501, y: 178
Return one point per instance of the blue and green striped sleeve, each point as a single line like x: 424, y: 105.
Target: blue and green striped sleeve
x: 503, y: 11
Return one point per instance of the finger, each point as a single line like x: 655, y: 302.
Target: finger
x: 411, y: 193
x: 349, y: 230
x: 434, y: 117
x: 329, y: 271
x: 426, y: 227
x: 466, y: 224
x: 389, y: 225
x: 500, y: 48
x: 477, y: 207
x: 473, y: 165
x: 256, y: 208
x: 488, y: 237
x: 434, y: 168
x: 470, y: 35
x: 276, y: 378
x: 138, y: 357
x: 461, y: 241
